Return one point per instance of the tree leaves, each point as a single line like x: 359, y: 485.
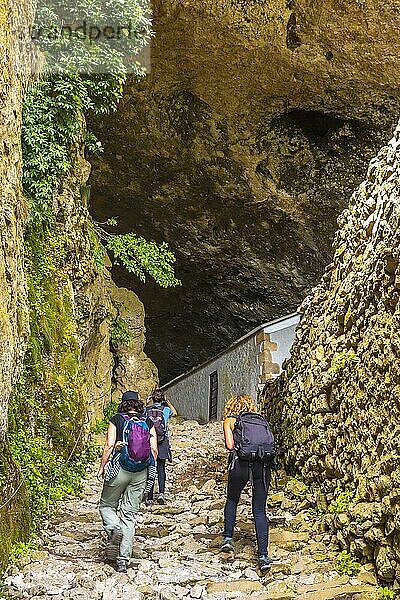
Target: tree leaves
x: 142, y: 257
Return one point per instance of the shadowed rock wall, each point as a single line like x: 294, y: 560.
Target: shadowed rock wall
x: 240, y: 148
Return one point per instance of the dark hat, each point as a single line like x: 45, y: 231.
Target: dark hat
x: 130, y: 396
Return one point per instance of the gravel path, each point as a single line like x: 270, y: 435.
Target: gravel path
x: 176, y: 553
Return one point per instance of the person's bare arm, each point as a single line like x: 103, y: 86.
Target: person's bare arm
x: 153, y: 442
x: 108, y: 448
x: 228, y: 433
x: 172, y: 407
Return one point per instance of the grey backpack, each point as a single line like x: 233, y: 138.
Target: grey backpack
x: 253, y: 438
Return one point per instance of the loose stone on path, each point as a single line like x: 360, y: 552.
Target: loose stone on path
x: 176, y: 551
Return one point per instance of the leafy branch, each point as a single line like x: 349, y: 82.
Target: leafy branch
x: 139, y: 256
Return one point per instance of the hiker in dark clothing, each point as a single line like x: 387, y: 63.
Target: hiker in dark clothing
x: 160, y: 410
x: 124, y: 475
x: 240, y: 472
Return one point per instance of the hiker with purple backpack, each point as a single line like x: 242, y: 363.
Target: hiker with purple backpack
x: 252, y: 451
x: 160, y: 411
x: 129, y: 450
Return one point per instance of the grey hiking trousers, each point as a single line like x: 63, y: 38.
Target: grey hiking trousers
x: 119, y: 505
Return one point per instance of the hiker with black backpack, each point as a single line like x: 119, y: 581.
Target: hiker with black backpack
x: 130, y: 448
x: 160, y: 410
x: 252, y: 450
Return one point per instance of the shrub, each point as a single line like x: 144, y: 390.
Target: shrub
x: 341, y: 503
x: 119, y: 332
x: 341, y: 360
x: 347, y: 564
x: 21, y: 549
x: 109, y: 411
x: 385, y: 594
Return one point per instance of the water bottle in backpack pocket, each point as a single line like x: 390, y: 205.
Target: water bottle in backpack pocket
x: 135, y: 455
x: 253, y: 439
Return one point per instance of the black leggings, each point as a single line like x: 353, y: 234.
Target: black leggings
x: 237, y: 479
x: 161, y: 477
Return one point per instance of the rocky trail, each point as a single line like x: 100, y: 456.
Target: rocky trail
x: 177, y: 545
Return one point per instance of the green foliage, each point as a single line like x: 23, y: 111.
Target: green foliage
x: 97, y: 249
x: 341, y: 360
x: 92, y: 54
x: 22, y: 549
x: 93, y: 146
x: 341, y: 503
x: 385, y: 594
x: 87, y: 78
x: 52, y: 124
x: 139, y: 257
x: 347, y: 564
x: 46, y: 409
x: 109, y: 411
x: 82, y: 78
x: 50, y: 476
x: 119, y: 332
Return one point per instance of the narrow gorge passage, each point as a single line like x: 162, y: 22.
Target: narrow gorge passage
x: 176, y: 553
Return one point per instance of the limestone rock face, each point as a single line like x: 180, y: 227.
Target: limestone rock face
x: 240, y: 148
x: 339, y: 411
x: 13, y: 310
x: 79, y: 301
x: 97, y: 303
x: 133, y: 369
x: 14, y: 325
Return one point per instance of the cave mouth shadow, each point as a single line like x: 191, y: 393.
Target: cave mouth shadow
x: 314, y: 124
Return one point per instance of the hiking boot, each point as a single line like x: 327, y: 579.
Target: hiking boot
x: 227, y: 545
x: 161, y: 499
x: 112, y: 549
x: 265, y: 563
x: 122, y: 565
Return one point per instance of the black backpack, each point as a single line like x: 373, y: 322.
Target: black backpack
x: 157, y: 416
x: 253, y: 439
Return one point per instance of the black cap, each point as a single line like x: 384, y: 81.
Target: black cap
x: 130, y: 396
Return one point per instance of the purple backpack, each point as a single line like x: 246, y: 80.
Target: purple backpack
x: 253, y: 438
x: 136, y: 453
x: 156, y: 414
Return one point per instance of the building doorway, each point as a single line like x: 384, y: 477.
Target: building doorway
x: 213, y: 402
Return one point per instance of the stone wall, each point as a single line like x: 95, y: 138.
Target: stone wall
x: 237, y: 371
x: 338, y: 416
x: 241, y: 368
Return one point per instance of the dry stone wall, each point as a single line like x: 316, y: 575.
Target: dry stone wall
x: 339, y: 410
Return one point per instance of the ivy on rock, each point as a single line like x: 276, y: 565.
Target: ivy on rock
x: 84, y: 76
